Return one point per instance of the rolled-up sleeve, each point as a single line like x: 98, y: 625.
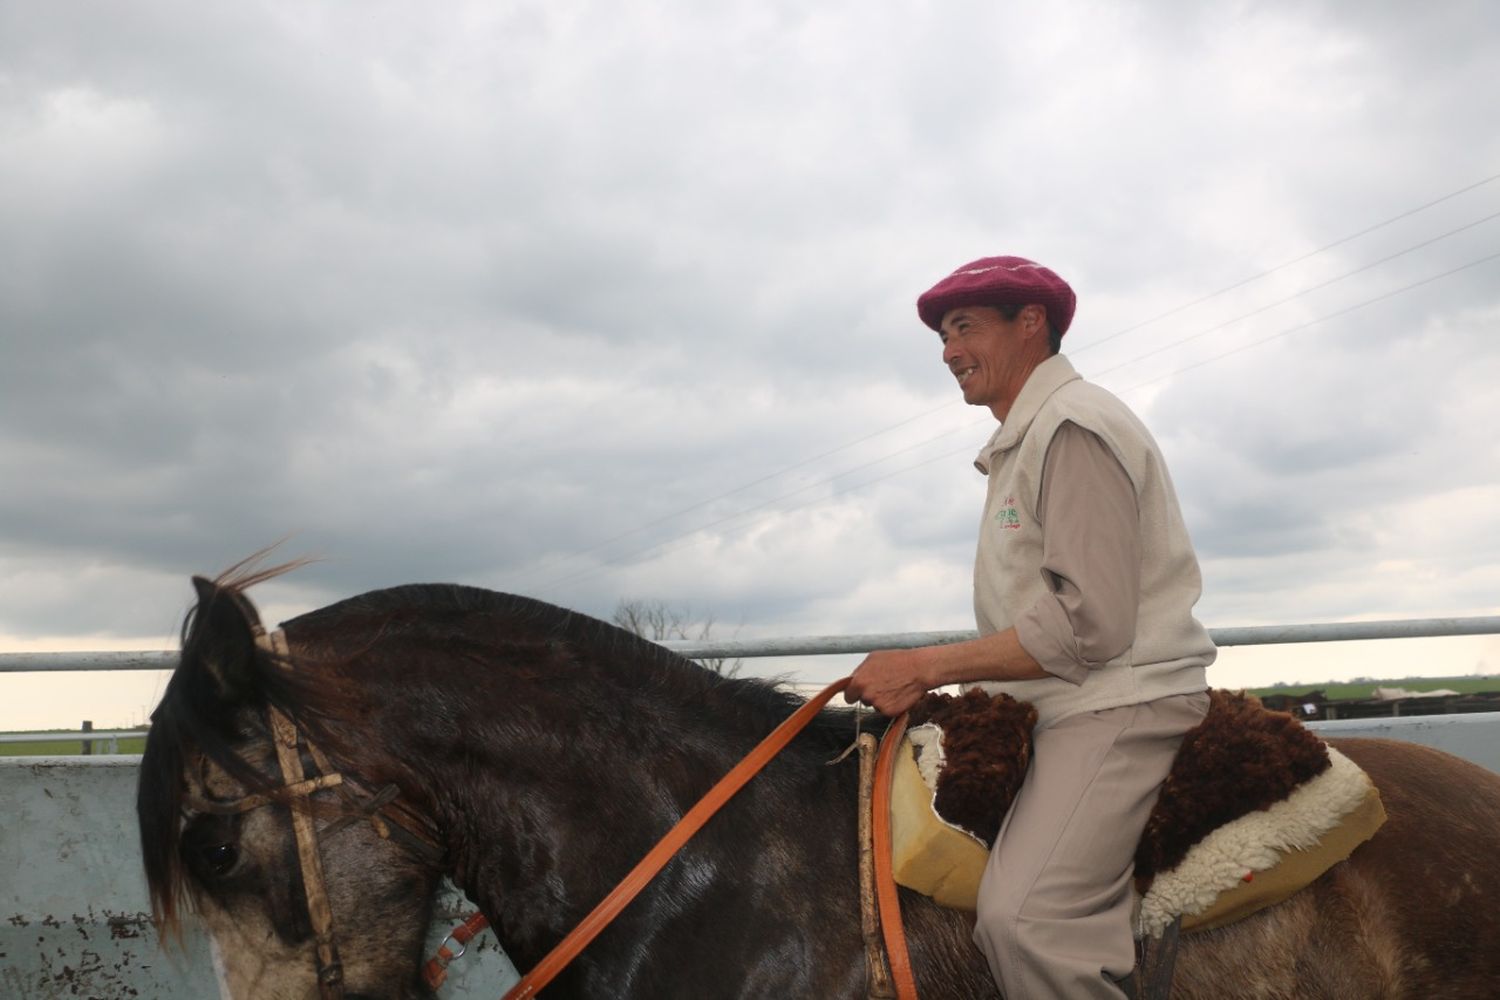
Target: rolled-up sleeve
x: 1091, y: 559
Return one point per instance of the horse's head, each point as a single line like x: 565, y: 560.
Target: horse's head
x: 347, y: 899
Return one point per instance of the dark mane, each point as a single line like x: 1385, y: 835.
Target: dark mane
x: 439, y: 612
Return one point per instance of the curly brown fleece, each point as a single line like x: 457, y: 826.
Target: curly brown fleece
x: 987, y: 746
x: 1242, y: 757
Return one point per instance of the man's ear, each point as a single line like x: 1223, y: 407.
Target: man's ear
x: 1034, y: 319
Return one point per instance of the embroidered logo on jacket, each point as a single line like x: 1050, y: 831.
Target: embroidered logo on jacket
x: 1008, y: 516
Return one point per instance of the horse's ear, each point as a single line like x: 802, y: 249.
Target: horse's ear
x: 219, y: 638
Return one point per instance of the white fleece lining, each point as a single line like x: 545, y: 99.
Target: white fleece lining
x: 1253, y: 843
x: 927, y: 739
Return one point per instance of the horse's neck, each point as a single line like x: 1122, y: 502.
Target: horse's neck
x: 633, y: 753
x: 565, y: 800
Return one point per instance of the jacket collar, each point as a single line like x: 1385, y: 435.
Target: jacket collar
x: 1045, y: 379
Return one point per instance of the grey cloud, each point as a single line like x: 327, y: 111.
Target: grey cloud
x: 465, y: 297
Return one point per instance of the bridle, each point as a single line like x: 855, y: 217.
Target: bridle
x: 389, y: 819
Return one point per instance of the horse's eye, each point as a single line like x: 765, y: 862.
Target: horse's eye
x: 210, y: 846
x: 220, y: 858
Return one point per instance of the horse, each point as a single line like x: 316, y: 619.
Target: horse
x: 536, y: 754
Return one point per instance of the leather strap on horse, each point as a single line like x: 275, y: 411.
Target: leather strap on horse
x: 387, y: 816
x: 319, y: 913
x: 630, y: 886
x: 435, y: 972
x: 885, y: 882
x: 878, y: 985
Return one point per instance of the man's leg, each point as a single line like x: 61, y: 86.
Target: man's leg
x: 1054, y: 904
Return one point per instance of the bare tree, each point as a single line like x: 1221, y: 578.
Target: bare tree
x: 656, y: 620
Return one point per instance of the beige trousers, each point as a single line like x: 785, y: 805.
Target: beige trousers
x: 1054, y: 904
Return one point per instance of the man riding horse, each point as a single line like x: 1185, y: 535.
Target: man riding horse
x: 1084, y: 585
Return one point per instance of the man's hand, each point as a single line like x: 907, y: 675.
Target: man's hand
x: 892, y: 680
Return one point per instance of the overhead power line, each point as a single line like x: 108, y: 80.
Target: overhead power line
x: 1306, y: 291
x: 1314, y: 322
x: 742, y: 488
x: 615, y: 560
x: 1075, y: 351
x: 1286, y: 264
x: 685, y: 538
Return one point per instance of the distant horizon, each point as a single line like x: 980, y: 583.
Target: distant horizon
x: 33, y: 702
x: 808, y: 688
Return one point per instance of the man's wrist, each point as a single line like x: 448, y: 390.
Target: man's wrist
x: 934, y: 664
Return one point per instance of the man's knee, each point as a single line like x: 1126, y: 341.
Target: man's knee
x: 996, y: 919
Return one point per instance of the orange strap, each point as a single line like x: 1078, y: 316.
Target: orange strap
x: 436, y: 970
x: 579, y: 937
x: 885, y: 882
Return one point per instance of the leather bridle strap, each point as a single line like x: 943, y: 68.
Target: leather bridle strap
x: 319, y: 913
x: 630, y: 886
x: 330, y: 970
x: 246, y: 803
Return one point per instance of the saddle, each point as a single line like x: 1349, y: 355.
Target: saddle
x: 1254, y: 808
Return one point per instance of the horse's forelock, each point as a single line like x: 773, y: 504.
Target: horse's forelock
x: 197, y: 716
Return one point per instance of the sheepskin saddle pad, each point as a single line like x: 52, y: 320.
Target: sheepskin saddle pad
x: 1255, y: 807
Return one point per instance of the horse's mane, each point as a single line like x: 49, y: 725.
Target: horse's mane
x: 427, y: 607
x: 349, y: 636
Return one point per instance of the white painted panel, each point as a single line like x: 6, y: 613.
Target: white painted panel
x: 74, y: 914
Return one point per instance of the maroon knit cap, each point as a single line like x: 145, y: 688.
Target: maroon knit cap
x: 999, y: 281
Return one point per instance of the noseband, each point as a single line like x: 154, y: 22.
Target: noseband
x: 388, y: 820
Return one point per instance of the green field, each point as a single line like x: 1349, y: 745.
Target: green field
x: 1365, y: 689
x: 67, y: 747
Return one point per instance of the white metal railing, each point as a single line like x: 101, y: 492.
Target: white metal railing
x: 702, y: 649
x: 86, y: 736
x: 25, y: 662
x: 1254, y: 635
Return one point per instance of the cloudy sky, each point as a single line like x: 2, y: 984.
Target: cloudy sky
x: 594, y: 301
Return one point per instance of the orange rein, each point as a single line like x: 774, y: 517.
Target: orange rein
x: 620, y: 896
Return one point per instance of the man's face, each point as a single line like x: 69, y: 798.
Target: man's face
x: 991, y: 356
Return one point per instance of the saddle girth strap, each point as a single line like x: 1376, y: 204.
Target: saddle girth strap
x: 885, y: 881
